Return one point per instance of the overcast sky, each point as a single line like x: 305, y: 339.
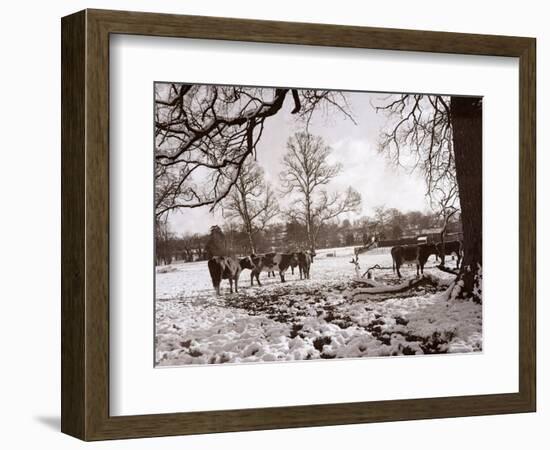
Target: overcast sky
x: 353, y: 145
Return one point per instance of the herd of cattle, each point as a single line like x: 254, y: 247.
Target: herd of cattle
x: 230, y: 267
x: 419, y: 254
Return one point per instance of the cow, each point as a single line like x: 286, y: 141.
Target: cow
x: 417, y: 254
x: 424, y: 252
x: 225, y: 268
x: 304, y: 260
x: 450, y: 248
x: 269, y: 262
x: 402, y: 254
x: 295, y: 263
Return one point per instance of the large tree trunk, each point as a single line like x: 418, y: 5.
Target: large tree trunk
x: 466, y: 121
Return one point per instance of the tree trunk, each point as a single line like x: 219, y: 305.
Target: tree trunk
x: 245, y: 216
x: 309, y: 225
x: 466, y: 121
x: 251, y: 240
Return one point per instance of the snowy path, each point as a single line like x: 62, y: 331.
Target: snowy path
x: 304, y: 319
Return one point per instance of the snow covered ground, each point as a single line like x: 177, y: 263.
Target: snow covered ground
x: 307, y: 319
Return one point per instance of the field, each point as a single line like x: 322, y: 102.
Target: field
x: 308, y: 319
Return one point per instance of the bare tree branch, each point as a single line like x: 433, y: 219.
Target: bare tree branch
x: 420, y: 124
x: 206, y: 132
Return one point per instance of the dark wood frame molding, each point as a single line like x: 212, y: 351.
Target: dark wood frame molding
x: 85, y: 224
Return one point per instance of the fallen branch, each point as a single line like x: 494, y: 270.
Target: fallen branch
x: 367, y: 282
x: 447, y: 270
x: 376, y: 266
x: 386, y: 289
x: 374, y: 289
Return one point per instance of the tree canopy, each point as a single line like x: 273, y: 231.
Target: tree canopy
x: 205, y: 133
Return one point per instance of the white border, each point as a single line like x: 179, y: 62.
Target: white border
x: 138, y: 388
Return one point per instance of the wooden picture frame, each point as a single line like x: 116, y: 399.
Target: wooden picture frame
x: 85, y: 224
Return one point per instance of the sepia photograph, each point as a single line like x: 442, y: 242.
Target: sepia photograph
x: 296, y: 224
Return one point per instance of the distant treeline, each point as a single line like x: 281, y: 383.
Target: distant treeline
x: 385, y: 225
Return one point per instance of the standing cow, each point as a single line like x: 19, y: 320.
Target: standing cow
x: 424, y: 252
x: 304, y: 263
x: 225, y: 268
x: 417, y: 254
x: 450, y: 248
x: 295, y: 263
x: 270, y: 262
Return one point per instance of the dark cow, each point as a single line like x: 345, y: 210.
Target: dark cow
x: 402, y: 254
x: 269, y: 262
x: 450, y: 248
x: 424, y: 252
x: 417, y: 254
x: 295, y: 263
x: 225, y: 268
x: 304, y: 263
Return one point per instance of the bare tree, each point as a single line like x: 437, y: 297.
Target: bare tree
x: 252, y: 201
x: 204, y: 134
x: 193, y: 246
x: 381, y: 220
x: 163, y: 238
x: 441, y: 136
x: 419, y: 136
x: 306, y: 173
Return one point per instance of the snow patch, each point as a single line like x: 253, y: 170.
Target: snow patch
x: 308, y: 319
